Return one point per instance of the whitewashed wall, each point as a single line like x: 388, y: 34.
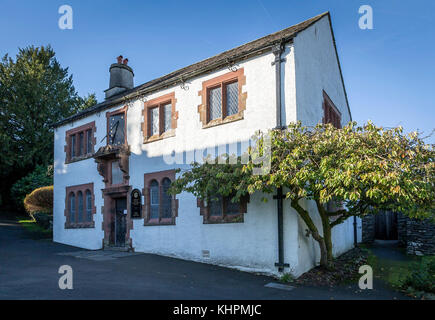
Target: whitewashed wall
x: 317, y: 69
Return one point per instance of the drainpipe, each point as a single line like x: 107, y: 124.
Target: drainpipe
x: 277, y: 50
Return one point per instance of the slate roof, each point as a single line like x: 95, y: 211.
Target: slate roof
x: 218, y: 61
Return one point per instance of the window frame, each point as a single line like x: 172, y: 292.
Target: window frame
x: 160, y: 103
x: 75, y: 190
x: 224, y: 217
x: 331, y: 114
x: 159, y: 177
x: 222, y: 81
x: 123, y: 111
x: 74, y: 134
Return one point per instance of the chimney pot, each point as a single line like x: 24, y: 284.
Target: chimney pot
x: 125, y: 61
x: 119, y: 59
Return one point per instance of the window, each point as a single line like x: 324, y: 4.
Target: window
x: 222, y: 105
x: 72, y: 207
x: 222, y: 99
x: 331, y: 113
x: 88, y: 205
x: 80, y: 211
x: 223, y: 210
x: 160, y: 206
x: 80, y: 206
x: 160, y: 118
x: 80, y: 143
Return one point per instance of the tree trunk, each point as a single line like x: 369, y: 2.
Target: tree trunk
x: 323, y: 245
x: 327, y: 234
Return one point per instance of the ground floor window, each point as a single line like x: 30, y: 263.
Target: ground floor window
x: 160, y: 207
x: 80, y: 206
x: 222, y: 210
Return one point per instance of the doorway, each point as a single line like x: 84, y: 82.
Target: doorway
x: 119, y: 222
x: 386, y: 226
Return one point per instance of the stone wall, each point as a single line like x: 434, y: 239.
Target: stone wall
x: 420, y: 236
x: 368, y: 228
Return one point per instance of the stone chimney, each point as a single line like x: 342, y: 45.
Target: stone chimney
x: 121, y: 77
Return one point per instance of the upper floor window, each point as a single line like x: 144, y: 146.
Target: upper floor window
x: 331, y: 114
x: 160, y: 206
x: 160, y: 118
x: 223, y: 210
x: 222, y: 99
x: 80, y: 207
x: 80, y: 142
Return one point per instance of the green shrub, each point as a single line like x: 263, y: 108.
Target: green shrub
x: 421, y: 276
x: 40, y: 177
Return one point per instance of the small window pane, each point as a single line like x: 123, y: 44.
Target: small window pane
x: 117, y: 129
x: 117, y: 176
x: 168, y: 117
x: 154, y: 117
x: 81, y: 144
x: 88, y: 206
x: 73, y: 146
x: 231, y: 207
x: 89, y: 141
x: 166, y: 199
x: 154, y: 200
x: 72, y: 207
x: 215, y: 207
x: 215, y: 103
x: 232, y: 96
x: 80, y: 211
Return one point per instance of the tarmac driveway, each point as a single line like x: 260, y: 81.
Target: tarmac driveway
x: 29, y: 270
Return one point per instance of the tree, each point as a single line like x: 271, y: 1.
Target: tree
x: 353, y: 171
x: 35, y: 92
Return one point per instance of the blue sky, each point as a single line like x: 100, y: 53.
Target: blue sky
x: 388, y: 71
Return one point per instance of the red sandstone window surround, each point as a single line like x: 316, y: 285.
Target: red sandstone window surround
x: 222, y: 100
x: 80, y: 142
x: 117, y: 127
x: 160, y: 118
x: 223, y: 210
x: 80, y: 206
x: 160, y: 208
x: 331, y: 113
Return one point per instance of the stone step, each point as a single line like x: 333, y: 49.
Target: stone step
x: 114, y: 248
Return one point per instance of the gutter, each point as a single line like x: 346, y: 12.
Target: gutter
x: 277, y: 50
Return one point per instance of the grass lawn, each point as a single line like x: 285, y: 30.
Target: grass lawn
x: 394, y: 272
x: 35, y: 229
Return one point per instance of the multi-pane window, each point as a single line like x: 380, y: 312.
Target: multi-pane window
x: 222, y: 209
x: 223, y: 100
x: 160, y: 206
x: 80, y: 207
x: 160, y: 118
x: 81, y: 142
x: 117, y: 129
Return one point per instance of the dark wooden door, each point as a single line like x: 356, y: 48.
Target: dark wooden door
x: 120, y: 221
x: 386, y: 226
